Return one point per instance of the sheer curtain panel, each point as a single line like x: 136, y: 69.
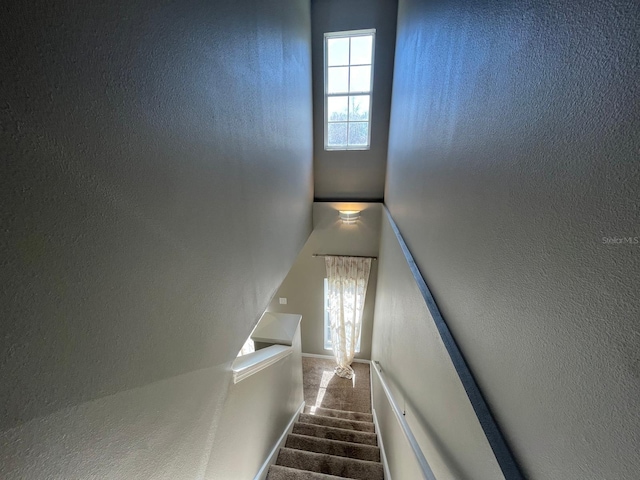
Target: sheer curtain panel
x: 347, y: 281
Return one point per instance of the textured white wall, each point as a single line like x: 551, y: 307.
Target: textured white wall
x: 164, y: 430
x: 513, y: 151
x: 155, y: 189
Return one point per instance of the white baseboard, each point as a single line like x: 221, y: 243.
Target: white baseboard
x: 371, y: 367
x: 330, y: 357
x: 273, y: 455
x: 383, y: 456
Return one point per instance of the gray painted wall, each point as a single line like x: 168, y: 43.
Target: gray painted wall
x: 513, y: 151
x: 423, y: 381
x: 155, y: 188
x: 353, y: 175
x: 303, y: 287
x: 257, y: 411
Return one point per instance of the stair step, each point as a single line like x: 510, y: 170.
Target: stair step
x: 333, y: 433
x: 330, y: 464
x: 347, y: 415
x: 278, y: 472
x: 337, y: 422
x: 333, y: 447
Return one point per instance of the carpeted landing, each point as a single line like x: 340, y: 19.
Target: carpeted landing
x: 324, y: 389
x: 328, y: 443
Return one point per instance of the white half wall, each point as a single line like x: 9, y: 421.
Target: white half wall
x: 256, y: 412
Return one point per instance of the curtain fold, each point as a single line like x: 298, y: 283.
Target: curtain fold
x: 347, y: 278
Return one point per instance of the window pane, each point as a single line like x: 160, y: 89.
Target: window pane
x: 360, y: 80
x: 361, y: 49
x: 348, y: 90
x: 359, y: 107
x: 337, y: 108
x: 358, y: 133
x: 337, y: 79
x: 337, y: 134
x: 337, y: 51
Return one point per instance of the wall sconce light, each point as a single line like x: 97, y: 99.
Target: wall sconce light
x: 349, y: 216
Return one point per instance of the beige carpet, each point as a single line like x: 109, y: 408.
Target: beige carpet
x: 329, y: 444
x: 324, y: 389
x: 335, y: 436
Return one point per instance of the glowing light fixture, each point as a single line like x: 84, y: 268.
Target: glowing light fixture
x: 349, y: 216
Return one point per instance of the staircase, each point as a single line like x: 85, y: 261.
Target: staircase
x: 329, y: 444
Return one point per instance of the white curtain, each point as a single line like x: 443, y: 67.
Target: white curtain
x: 347, y: 278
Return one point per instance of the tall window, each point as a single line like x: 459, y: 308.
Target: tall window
x: 348, y: 81
x: 327, y: 322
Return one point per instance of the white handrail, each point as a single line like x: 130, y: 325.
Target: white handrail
x: 251, y: 363
x: 427, y: 473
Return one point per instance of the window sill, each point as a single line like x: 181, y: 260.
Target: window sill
x: 331, y: 350
x: 362, y: 149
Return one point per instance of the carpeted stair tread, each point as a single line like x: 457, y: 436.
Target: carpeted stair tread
x: 330, y: 464
x: 344, y: 414
x: 278, y: 472
x: 333, y: 447
x: 337, y: 422
x: 333, y: 433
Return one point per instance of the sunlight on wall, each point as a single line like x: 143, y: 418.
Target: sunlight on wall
x: 248, y: 347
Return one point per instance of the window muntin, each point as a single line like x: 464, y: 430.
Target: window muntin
x: 348, y: 68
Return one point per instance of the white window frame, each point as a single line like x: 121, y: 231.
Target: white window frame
x: 348, y: 34
x: 327, y: 322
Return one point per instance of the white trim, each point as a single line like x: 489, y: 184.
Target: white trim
x: 273, y: 455
x: 351, y: 33
x: 383, y: 455
x: 425, y: 468
x: 330, y: 357
x: 371, y: 387
x: 252, y: 363
x: 276, y: 328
